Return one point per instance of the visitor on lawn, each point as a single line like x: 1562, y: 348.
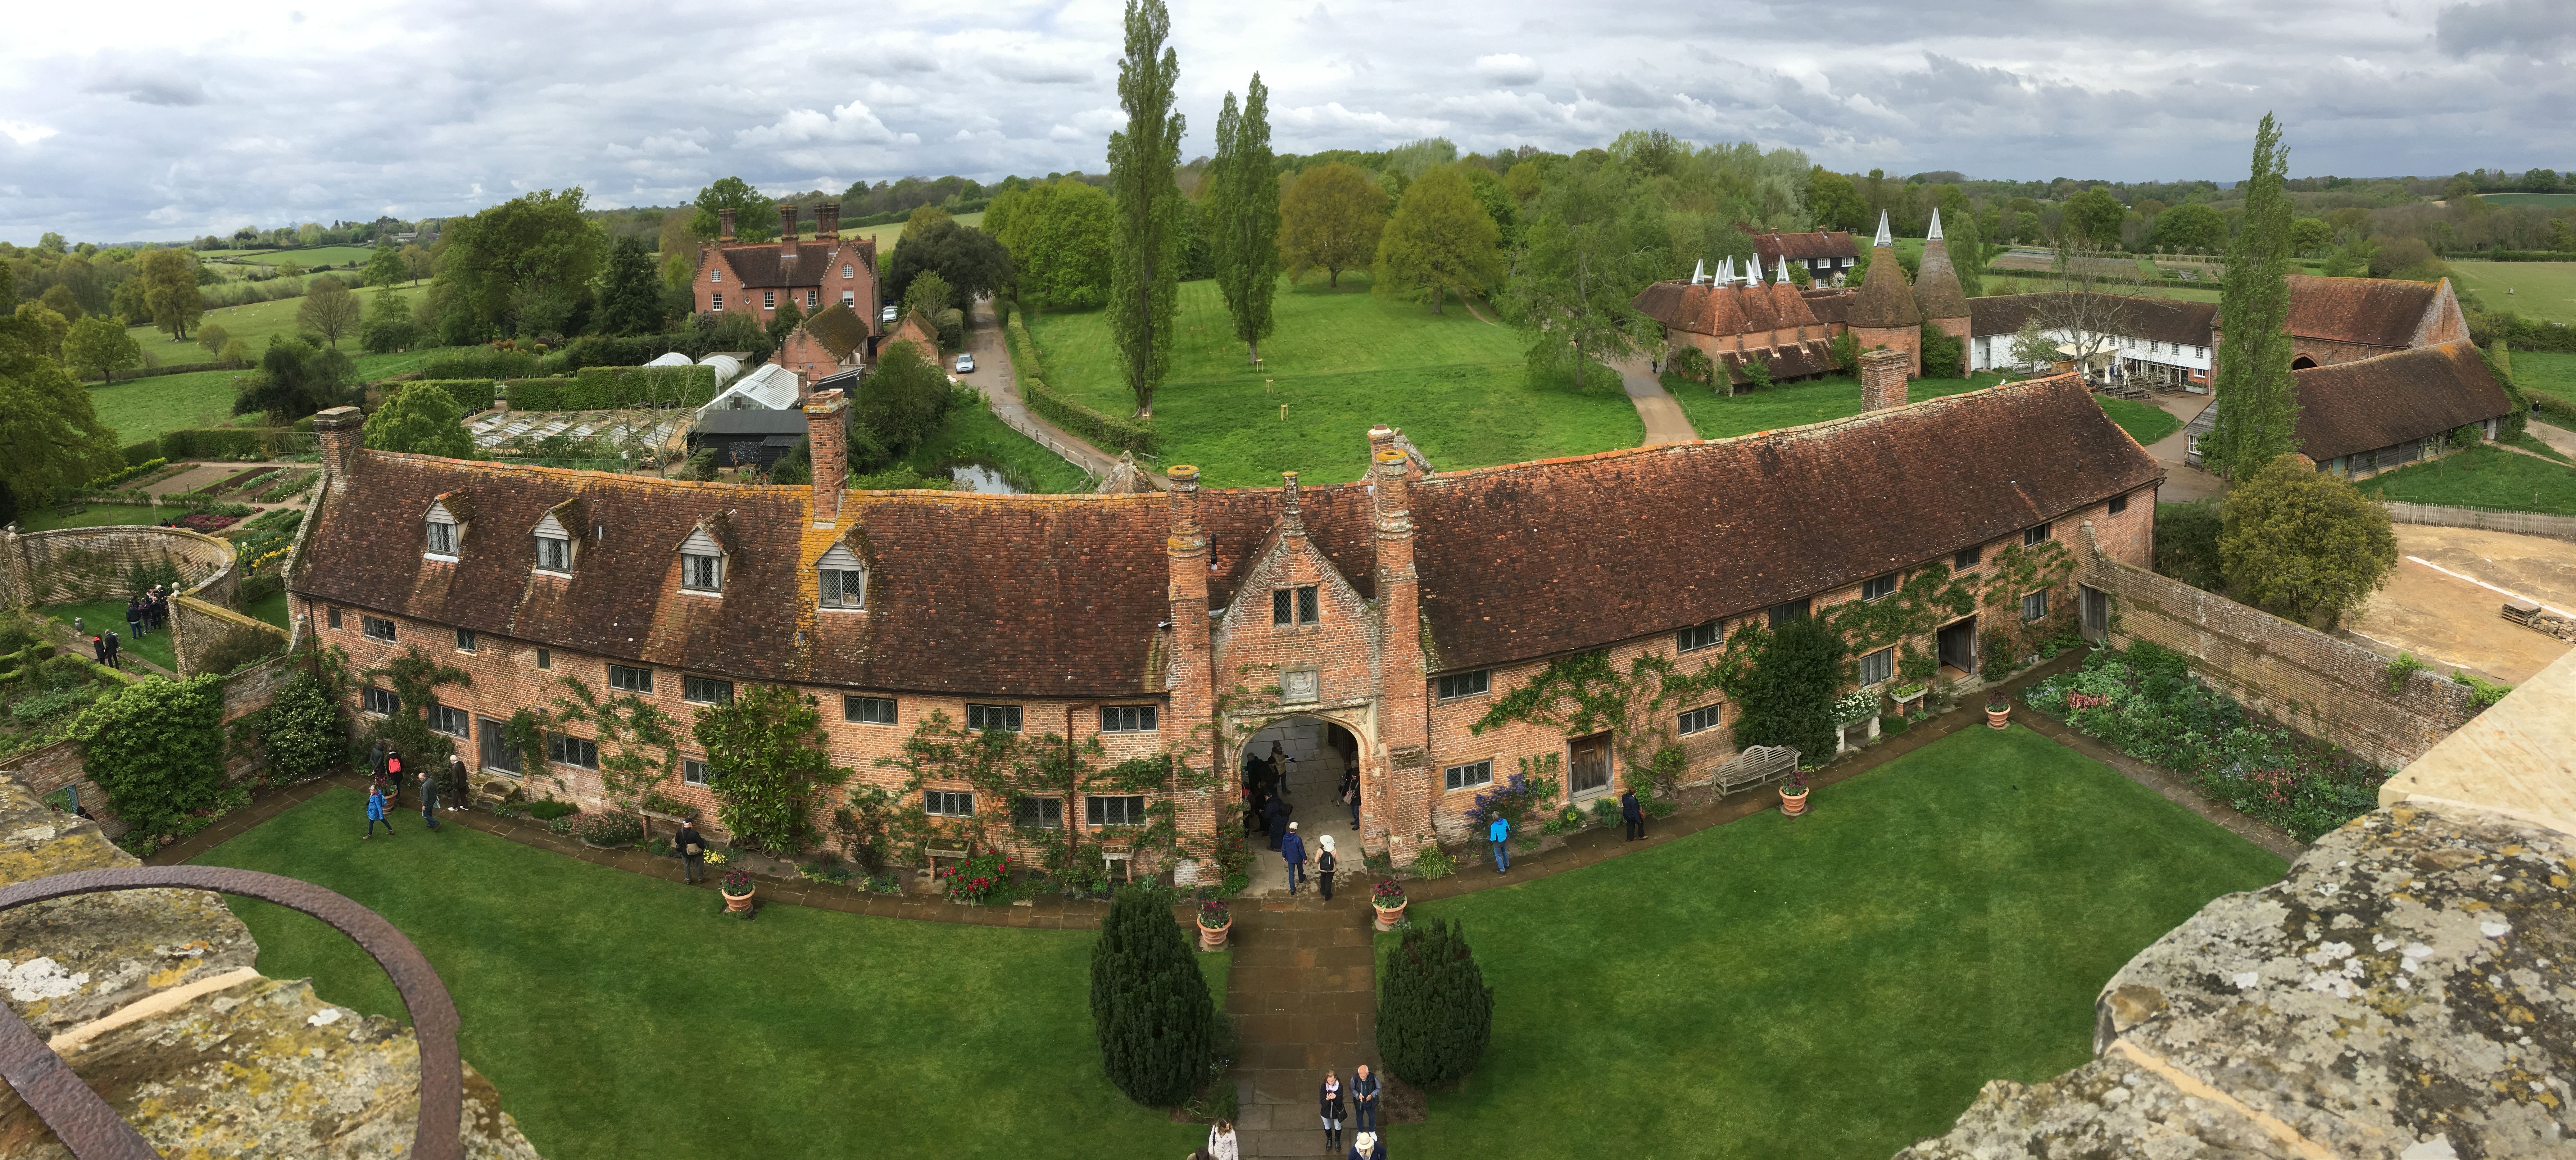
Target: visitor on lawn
x: 429, y: 799
x: 115, y: 649
x: 134, y: 616
x: 1500, y: 834
x: 393, y: 776
x: 1293, y: 851
x: 1221, y: 1142
x: 1364, y: 1101
x: 98, y: 649
x: 1632, y: 813
x: 1324, y: 866
x: 692, y: 850
x: 376, y: 812
x: 1332, y: 1111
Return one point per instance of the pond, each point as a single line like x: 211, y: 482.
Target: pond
x: 981, y: 477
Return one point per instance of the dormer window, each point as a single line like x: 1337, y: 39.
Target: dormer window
x: 554, y: 546
x: 845, y: 579
x: 701, y: 563
x: 441, y: 525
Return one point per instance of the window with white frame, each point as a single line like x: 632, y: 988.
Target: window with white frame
x: 1126, y: 718
x: 715, y: 275
x: 376, y: 627
x: 1878, y: 667
x: 1037, y: 812
x: 576, y: 751
x: 1699, y: 636
x: 378, y: 701
x: 2035, y: 605
x: 845, y: 272
x: 716, y: 303
x: 706, y: 690
x: 998, y: 718
x: 1468, y: 775
x: 813, y: 298
x: 844, y: 578
x: 448, y: 720
x: 948, y: 803
x: 442, y: 539
x: 1701, y: 720
x: 693, y: 771
x: 701, y: 563
x: 554, y: 545
x: 868, y: 710
x: 627, y: 679
x: 1128, y: 810
x: 1457, y: 685
x: 849, y: 298
x: 769, y: 300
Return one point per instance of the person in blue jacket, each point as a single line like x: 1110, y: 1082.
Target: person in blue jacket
x: 1500, y: 834
x: 376, y: 812
x: 1293, y: 849
x: 1368, y: 1146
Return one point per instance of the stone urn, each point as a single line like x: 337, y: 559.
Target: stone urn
x: 1793, y: 800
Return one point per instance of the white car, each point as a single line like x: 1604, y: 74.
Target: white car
x: 887, y: 315
x: 965, y: 364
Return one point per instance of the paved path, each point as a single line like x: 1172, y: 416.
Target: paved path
x: 1303, y: 994
x: 1665, y: 422
x: 999, y: 380
x: 2183, y: 482
x: 2559, y: 437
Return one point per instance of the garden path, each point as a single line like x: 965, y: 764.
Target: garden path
x: 1665, y: 422
x: 2183, y: 482
x: 999, y: 380
x: 2559, y: 437
x: 1303, y: 994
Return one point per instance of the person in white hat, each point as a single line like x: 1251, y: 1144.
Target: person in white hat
x: 1324, y: 864
x: 1367, y: 1146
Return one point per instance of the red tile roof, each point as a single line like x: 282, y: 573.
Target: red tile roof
x: 1815, y: 244
x: 2372, y: 311
x: 1884, y: 299
x: 2385, y: 400
x: 1708, y: 309
x: 760, y: 267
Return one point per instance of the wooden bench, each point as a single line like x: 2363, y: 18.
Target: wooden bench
x: 1753, y: 767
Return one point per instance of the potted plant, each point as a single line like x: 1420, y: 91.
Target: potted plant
x: 1214, y: 920
x: 1388, y: 900
x: 738, y: 888
x: 1998, y: 709
x: 1793, y: 796
x: 1906, y: 696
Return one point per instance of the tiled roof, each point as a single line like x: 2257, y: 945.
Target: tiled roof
x: 1815, y: 244
x: 1936, y: 285
x: 2374, y: 311
x: 2155, y: 319
x: 839, y: 329
x: 761, y: 267
x: 1708, y: 309
x: 1793, y: 361
x: 1546, y: 558
x: 1884, y: 299
x: 2388, y: 399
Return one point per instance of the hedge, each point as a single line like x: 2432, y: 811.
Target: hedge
x: 472, y: 394
x: 147, y: 467
x: 2522, y: 333
x: 138, y: 452
x: 2510, y: 256
x: 170, y: 369
x: 228, y: 442
x: 598, y: 388
x: 1129, y: 434
x: 480, y: 363
x: 2552, y: 406
x: 599, y: 350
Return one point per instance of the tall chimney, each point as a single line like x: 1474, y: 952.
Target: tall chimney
x: 1190, y: 688
x: 338, y: 431
x: 1882, y: 379
x: 1291, y: 521
x: 827, y: 223
x: 786, y: 230
x: 1394, y: 797
x: 827, y: 443
x: 724, y: 225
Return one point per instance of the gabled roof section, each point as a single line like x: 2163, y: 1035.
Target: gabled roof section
x: 2364, y: 405
x: 1726, y: 309
x: 839, y: 329
x: 839, y: 555
x: 1884, y: 299
x: 2154, y: 319
x: 2369, y: 311
x: 455, y: 506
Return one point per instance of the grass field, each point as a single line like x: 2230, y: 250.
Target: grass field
x: 2145, y: 422
x: 253, y: 324
x: 2548, y: 200
x: 100, y: 616
x: 316, y: 256
x: 2482, y: 477
x: 2546, y: 371
x: 1340, y: 362
x: 273, y: 610
x: 2543, y: 290
x: 1830, y: 986
x: 43, y: 519
x: 623, y: 1016
x: 142, y: 409
x: 887, y: 234
x: 974, y: 435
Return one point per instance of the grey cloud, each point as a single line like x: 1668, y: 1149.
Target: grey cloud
x: 2539, y: 29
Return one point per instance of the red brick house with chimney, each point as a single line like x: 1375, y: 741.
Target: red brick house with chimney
x: 1394, y: 612
x: 829, y: 270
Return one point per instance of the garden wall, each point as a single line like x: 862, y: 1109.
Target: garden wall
x: 93, y: 563
x: 2519, y: 523
x: 52, y: 767
x: 196, y: 627
x: 2304, y: 679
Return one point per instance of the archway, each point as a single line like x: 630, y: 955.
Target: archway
x: 2301, y: 363
x: 1300, y: 760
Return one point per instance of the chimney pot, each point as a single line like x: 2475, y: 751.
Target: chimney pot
x: 827, y: 443
x: 338, y: 432
x: 827, y: 222
x: 786, y: 230
x: 724, y: 225
x: 1882, y: 379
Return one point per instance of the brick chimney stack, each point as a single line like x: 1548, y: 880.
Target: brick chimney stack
x: 1882, y: 379
x: 338, y: 431
x: 1291, y: 521
x: 827, y: 223
x: 827, y: 442
x: 1394, y: 821
x: 786, y: 230
x: 1191, y: 692
x: 724, y: 227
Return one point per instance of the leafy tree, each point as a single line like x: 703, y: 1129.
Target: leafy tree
x: 2095, y: 215
x: 1059, y: 235
x: 767, y: 766
x: 59, y: 299
x: 1834, y: 203
x: 128, y: 303
x: 49, y: 328
x: 329, y: 309
x: 295, y: 379
x: 1330, y: 218
x: 1592, y: 247
x: 1243, y: 216
x: 524, y: 266
x: 2032, y: 345
x: 1787, y: 692
x: 785, y: 320
x: 630, y: 301
x: 1440, y: 241
x: 8, y: 287
x: 922, y: 220
x: 384, y: 268
x: 390, y: 326
x: 2192, y: 229
x: 235, y: 352
x: 969, y: 261
x: 754, y: 215
x: 50, y: 437
x: 157, y: 748
x: 424, y: 420
x: 212, y: 337
x: 1434, y: 1012
x: 906, y: 398
x: 2186, y: 545
x: 301, y: 731
x: 679, y: 250
x: 2305, y: 542
x: 417, y: 262
x: 1144, y: 287
x: 1149, y: 1005
x: 1966, y: 245
x: 99, y: 345
x: 2309, y: 235
x: 2258, y: 401
x: 927, y: 295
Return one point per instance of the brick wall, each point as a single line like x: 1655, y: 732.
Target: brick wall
x: 1904, y: 338
x: 197, y: 627
x: 2305, y: 679
x: 92, y: 563
x: 52, y: 767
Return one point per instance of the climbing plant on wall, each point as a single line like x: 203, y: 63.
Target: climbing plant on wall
x: 415, y: 679
x: 639, y: 745
x: 1586, y: 693
x: 767, y: 766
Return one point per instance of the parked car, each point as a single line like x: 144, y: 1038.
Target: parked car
x: 887, y: 315
x: 965, y: 364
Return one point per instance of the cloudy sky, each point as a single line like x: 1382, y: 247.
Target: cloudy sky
x: 155, y: 120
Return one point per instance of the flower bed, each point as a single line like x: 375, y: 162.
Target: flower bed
x: 2144, y: 703
x: 977, y: 879
x: 205, y: 521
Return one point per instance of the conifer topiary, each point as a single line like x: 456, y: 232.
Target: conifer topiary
x: 1434, y: 1011
x: 1149, y: 1004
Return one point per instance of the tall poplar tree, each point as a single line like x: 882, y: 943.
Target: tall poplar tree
x: 1144, y: 276
x: 2258, y: 400
x: 1243, y: 216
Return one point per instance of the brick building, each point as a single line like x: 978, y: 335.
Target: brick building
x: 829, y: 270
x: 1734, y: 320
x: 2366, y: 416
x: 1398, y: 609
x: 2336, y: 320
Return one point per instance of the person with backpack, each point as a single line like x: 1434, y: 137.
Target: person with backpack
x: 1500, y: 834
x: 1324, y: 866
x: 376, y: 812
x: 692, y: 850
x: 393, y: 776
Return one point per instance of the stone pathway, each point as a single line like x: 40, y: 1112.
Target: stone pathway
x: 999, y: 380
x: 2183, y: 482
x: 1303, y: 994
x: 1665, y: 422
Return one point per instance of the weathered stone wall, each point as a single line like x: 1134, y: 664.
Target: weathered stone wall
x: 2406, y: 992
x: 2305, y: 679
x: 153, y: 1000
x: 52, y: 767
x: 197, y: 626
x: 93, y: 563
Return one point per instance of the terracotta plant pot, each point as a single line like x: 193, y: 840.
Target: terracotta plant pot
x: 737, y: 902
x: 1213, y: 937
x: 1388, y: 916
x: 1793, y: 804
x: 1995, y: 718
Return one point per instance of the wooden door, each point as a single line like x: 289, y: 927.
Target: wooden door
x: 2097, y: 612
x: 1590, y: 767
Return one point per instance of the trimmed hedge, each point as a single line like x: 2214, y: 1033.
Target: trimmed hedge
x: 480, y: 363
x: 1127, y: 434
x: 471, y: 394
x: 2523, y: 333
x: 170, y: 369
x: 2552, y: 406
x: 599, y: 350
x: 2510, y: 256
x: 228, y: 442
x: 138, y: 452
x: 147, y: 467
x: 608, y: 388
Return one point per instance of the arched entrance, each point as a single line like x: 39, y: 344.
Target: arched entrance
x: 1300, y: 762
x: 2301, y: 363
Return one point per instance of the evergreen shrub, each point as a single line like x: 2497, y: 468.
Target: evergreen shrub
x: 1149, y: 1004
x: 1434, y: 1012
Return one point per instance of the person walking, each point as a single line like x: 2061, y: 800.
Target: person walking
x: 1633, y: 814
x: 1364, y: 1091
x: 134, y: 617
x: 1369, y: 1146
x: 376, y: 813
x: 376, y: 759
x: 115, y: 649
x: 1500, y: 835
x: 457, y: 789
x: 1333, y: 1105
x: 98, y: 649
x: 1351, y: 794
x: 692, y: 850
x: 393, y: 776
x: 429, y: 800
x: 1222, y: 1144
x: 1293, y: 850
x: 1325, y: 864
x: 1275, y: 818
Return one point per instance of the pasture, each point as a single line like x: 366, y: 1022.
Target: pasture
x: 2542, y: 290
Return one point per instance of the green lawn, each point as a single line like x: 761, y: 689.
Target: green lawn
x: 1340, y: 362
x: 2529, y: 443
x: 974, y: 435
x: 624, y: 1016
x: 2543, y: 290
x: 101, y: 616
x: 2550, y: 371
x: 1832, y: 986
x: 43, y: 519
x: 254, y: 323
x: 273, y: 610
x: 886, y: 235
x: 2145, y: 422
x: 142, y: 409
x: 2482, y: 477
x: 308, y: 258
